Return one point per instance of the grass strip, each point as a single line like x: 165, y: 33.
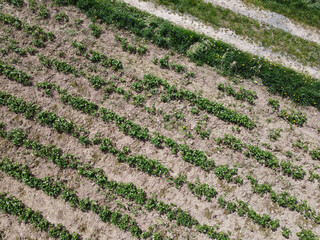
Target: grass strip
x: 230, y: 61
x: 300, y: 10
x: 278, y: 40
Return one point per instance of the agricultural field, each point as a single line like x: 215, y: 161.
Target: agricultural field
x: 117, y: 124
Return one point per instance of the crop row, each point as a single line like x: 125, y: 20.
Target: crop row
x: 150, y: 81
x: 289, y: 115
x: 33, y: 111
x: 263, y: 157
x: 97, y: 57
x: 55, y: 189
x: 198, y: 189
x: 129, y: 191
x: 244, y: 95
x: 284, y: 199
x: 37, y: 32
x: 13, y: 206
x: 13, y: 46
x: 15, y: 74
x: 143, y: 163
x: 242, y: 209
x: 151, y: 166
x: 164, y: 63
x: 193, y: 156
x: 60, y: 66
x: 201, y: 49
x: 125, y: 46
x: 60, y: 124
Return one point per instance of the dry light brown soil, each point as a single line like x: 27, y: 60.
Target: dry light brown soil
x: 87, y: 224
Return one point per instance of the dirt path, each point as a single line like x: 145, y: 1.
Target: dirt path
x: 223, y: 34
x: 271, y: 18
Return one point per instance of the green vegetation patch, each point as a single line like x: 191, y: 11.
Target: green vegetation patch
x: 203, y: 50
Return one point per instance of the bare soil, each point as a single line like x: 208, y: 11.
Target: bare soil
x: 205, y: 82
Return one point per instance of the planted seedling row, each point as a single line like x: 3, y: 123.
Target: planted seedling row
x: 35, y: 31
x: 129, y: 191
x: 57, y: 189
x: 266, y: 158
x: 13, y: 206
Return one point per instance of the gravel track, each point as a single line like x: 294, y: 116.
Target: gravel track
x: 223, y: 34
x: 270, y: 18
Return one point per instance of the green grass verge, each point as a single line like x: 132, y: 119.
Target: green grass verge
x: 305, y: 11
x: 280, y: 41
x: 204, y: 50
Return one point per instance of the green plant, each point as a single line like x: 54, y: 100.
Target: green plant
x: 164, y: 62
x: 301, y: 144
x: 306, y: 235
x: 289, y: 154
x: 202, y: 189
x: 293, y: 117
x: 278, y: 79
x: 286, y: 232
x: 195, y: 110
x: 40, y: 9
x: 15, y: 74
x: 274, y: 103
x: 125, y: 46
x: 58, y: 65
x: 17, y: 3
x: 43, y: 11
x: 231, y: 142
x: 315, y: 154
x: 62, y: 17
x: 227, y: 173
x: 11, y: 205
x: 274, y: 134
x: 78, y: 21
x: 97, y: 57
x: 31, y: 50
x: 243, y: 94
x: 166, y: 117
x: 199, y: 129
x: 95, y: 29
x: 179, y: 181
x: 128, y: 191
